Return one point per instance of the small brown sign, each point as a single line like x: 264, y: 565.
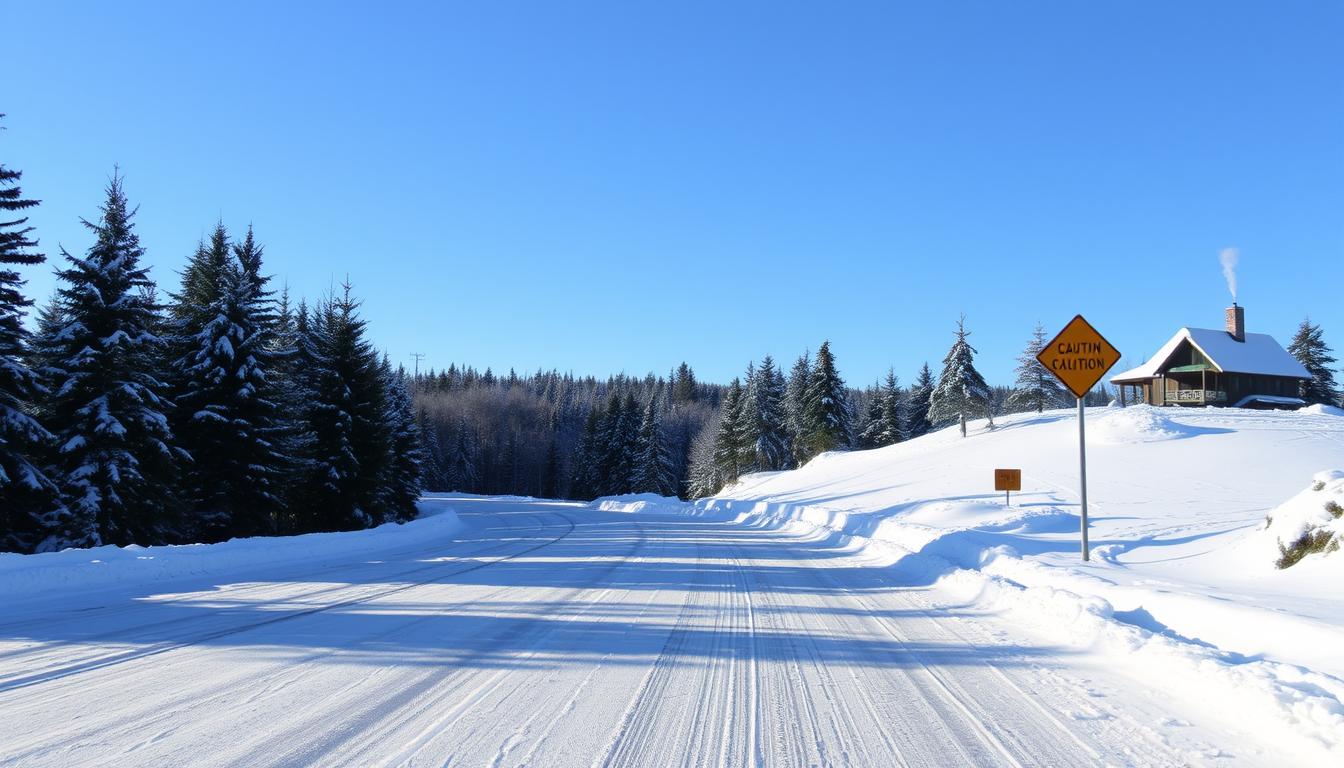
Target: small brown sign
x: 1079, y: 356
x: 1007, y: 479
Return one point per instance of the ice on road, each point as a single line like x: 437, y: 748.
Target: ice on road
x: 553, y: 635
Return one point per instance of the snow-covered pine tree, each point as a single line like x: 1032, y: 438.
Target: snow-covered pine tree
x: 917, y: 404
x: 586, y: 481
x: 1309, y: 347
x: 1036, y: 388
x: 827, y: 419
x: 886, y: 417
x: 654, y: 472
x: 345, y: 414
x: 683, y: 386
x: 228, y: 416
x: 404, y: 473
x: 615, y: 467
x: 373, y: 434
x: 630, y: 412
x: 462, y: 473
x: 29, y: 500
x: 770, y: 445
x: 435, y: 459
x: 961, y: 390
x: 795, y: 392
x: 702, y: 474
x: 202, y: 284
x: 869, y: 425
x: 747, y: 426
x: 115, y: 452
x: 728, y: 440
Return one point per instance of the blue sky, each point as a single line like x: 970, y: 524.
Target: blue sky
x: 604, y: 187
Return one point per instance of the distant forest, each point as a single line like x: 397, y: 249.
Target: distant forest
x: 556, y: 435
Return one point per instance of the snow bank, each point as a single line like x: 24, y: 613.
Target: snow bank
x: 1323, y: 410
x: 638, y: 502
x: 1137, y: 424
x: 102, y: 568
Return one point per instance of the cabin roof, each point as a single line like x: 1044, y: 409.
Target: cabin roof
x: 1258, y: 354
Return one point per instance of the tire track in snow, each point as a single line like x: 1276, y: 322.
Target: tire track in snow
x: 434, y: 690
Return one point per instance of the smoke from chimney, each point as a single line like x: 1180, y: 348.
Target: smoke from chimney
x: 1228, y: 258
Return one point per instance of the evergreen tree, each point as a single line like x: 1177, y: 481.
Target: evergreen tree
x: 586, y: 481
x: 202, y: 286
x: 769, y: 438
x: 918, y: 402
x: 702, y: 474
x: 618, y: 440
x: 870, y: 418
x: 227, y: 415
x: 728, y: 441
x: 404, y: 471
x: 115, y: 454
x: 794, y: 396
x: 886, y: 421
x: 435, y: 458
x: 1036, y: 388
x: 462, y: 474
x: 684, y: 386
x: 1310, y: 349
x: 827, y: 420
x: 29, y: 500
x: 630, y: 442
x: 654, y: 472
x: 550, y: 478
x: 961, y: 389
x: 346, y: 414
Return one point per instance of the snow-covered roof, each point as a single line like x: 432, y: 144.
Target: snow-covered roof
x: 1259, y: 353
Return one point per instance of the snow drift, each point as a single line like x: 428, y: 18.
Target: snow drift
x: 110, y: 567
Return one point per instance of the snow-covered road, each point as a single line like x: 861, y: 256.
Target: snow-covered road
x: 550, y: 634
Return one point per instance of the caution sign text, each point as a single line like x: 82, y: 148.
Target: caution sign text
x: 1079, y: 356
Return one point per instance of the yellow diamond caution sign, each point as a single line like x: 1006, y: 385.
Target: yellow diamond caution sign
x: 1079, y: 356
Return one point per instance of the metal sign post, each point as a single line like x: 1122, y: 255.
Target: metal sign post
x: 1082, y: 478
x: 1079, y: 356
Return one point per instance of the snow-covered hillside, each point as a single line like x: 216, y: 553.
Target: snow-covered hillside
x: 1182, y: 578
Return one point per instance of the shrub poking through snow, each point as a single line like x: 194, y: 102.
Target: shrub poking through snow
x: 1307, y: 525
x: 1312, y: 542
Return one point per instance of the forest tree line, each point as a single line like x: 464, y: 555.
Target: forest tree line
x: 223, y: 411
x: 559, y: 436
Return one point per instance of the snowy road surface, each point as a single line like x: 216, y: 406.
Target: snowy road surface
x: 553, y: 635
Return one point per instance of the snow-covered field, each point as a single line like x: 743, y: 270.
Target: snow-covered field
x: 874, y: 608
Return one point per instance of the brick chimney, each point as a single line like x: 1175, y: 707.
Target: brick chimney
x: 1236, y: 322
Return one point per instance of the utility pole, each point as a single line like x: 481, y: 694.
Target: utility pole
x: 417, y: 356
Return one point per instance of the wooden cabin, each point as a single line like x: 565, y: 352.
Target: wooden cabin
x: 1226, y: 367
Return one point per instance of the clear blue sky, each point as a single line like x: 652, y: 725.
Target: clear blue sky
x: 606, y: 187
